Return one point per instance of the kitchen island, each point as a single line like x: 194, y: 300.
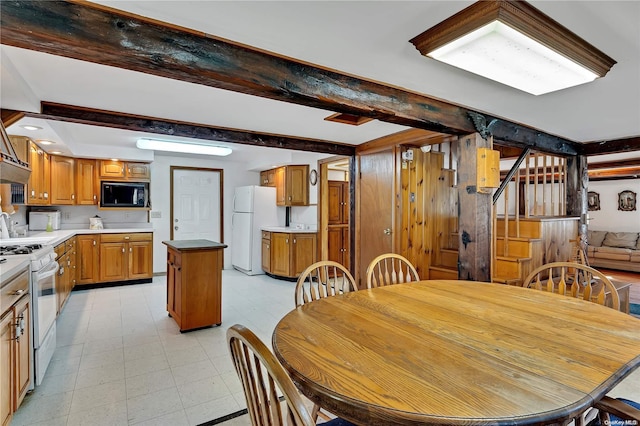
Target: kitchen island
x: 194, y: 282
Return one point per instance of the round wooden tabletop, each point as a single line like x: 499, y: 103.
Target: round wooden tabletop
x: 456, y: 352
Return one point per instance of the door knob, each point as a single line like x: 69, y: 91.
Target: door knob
x: 175, y: 227
x: 387, y: 231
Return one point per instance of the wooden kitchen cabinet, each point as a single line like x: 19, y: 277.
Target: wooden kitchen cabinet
x: 266, y: 251
x: 23, y: 355
x: 338, y: 222
x: 338, y: 244
x: 87, y: 187
x: 126, y: 256
x: 88, y: 255
x: 120, y: 170
x: 268, y: 178
x: 39, y: 183
x: 290, y: 253
x: 292, y: 185
x: 6, y: 368
x: 66, y: 278
x: 63, y: 174
x: 194, y: 282
x: 338, y: 202
x: 16, y: 350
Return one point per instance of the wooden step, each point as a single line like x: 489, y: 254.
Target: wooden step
x: 449, y: 258
x: 518, y: 246
x: 442, y: 273
x: 454, y: 241
x: 507, y: 281
x: 528, y: 228
x: 514, y: 267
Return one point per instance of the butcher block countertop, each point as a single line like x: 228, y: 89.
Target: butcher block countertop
x: 183, y: 245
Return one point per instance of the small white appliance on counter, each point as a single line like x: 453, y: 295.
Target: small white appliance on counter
x: 254, y: 207
x: 38, y: 220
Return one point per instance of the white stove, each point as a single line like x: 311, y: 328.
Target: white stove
x: 44, y: 269
x: 40, y: 255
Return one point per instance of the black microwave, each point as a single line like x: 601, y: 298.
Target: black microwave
x: 124, y: 194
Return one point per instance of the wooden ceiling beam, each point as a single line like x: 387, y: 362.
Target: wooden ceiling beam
x: 172, y: 128
x: 611, y: 146
x: 98, y: 34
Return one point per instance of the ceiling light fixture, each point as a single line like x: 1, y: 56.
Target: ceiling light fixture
x: 187, y: 147
x: 30, y: 127
x: 515, y: 44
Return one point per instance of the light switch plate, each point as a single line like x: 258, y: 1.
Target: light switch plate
x: 156, y: 215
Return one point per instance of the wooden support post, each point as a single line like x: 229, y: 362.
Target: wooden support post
x: 577, y: 188
x: 474, y: 213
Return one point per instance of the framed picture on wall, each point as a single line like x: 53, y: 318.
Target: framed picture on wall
x: 593, y: 201
x: 627, y: 201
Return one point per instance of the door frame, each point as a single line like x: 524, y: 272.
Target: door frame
x: 323, y: 207
x: 196, y: 169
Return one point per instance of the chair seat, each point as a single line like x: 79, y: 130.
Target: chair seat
x: 337, y: 422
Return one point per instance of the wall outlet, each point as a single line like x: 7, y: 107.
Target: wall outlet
x: 156, y: 215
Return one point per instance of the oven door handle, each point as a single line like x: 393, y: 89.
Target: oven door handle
x: 48, y: 272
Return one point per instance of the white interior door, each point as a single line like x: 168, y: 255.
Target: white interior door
x: 197, y: 205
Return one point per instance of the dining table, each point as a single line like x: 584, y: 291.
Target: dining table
x: 453, y: 352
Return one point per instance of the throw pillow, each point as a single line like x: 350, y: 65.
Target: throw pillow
x: 595, y: 238
x: 621, y: 239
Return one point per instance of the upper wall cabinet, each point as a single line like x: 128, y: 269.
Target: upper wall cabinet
x: 63, y: 174
x: 86, y: 182
x: 110, y: 169
x: 38, y: 186
x: 291, y: 182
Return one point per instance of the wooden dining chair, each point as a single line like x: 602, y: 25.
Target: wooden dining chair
x: 390, y: 268
x: 614, y: 411
x: 263, y: 380
x: 573, y: 279
x: 323, y: 279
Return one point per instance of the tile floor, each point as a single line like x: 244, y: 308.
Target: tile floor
x: 122, y: 361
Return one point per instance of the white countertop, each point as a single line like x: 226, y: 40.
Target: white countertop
x: 288, y: 229
x: 56, y: 237
x: 15, y: 263
x: 12, y: 266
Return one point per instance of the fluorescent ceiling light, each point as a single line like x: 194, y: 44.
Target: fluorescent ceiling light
x: 187, y: 147
x: 515, y: 44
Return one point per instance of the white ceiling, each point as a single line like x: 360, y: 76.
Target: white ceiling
x: 365, y: 38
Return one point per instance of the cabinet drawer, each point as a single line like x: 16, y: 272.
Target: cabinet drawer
x: 14, y: 290
x: 123, y: 238
x: 266, y: 235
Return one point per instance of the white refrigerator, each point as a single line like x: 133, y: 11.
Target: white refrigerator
x: 253, y: 208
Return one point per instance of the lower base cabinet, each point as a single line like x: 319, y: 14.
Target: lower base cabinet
x: 194, y: 283
x: 15, y: 350
x: 114, y: 257
x: 289, y: 253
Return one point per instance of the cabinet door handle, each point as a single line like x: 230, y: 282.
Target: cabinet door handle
x: 123, y: 249
x: 46, y: 195
x: 268, y: 246
x: 294, y: 241
x: 286, y: 241
x: 130, y: 249
x: 94, y: 242
x: 126, y: 238
x: 73, y: 196
x: 94, y: 197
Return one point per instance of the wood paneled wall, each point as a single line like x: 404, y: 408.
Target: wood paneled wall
x: 427, y: 209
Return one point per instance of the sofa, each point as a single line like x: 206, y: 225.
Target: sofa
x: 614, y: 250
